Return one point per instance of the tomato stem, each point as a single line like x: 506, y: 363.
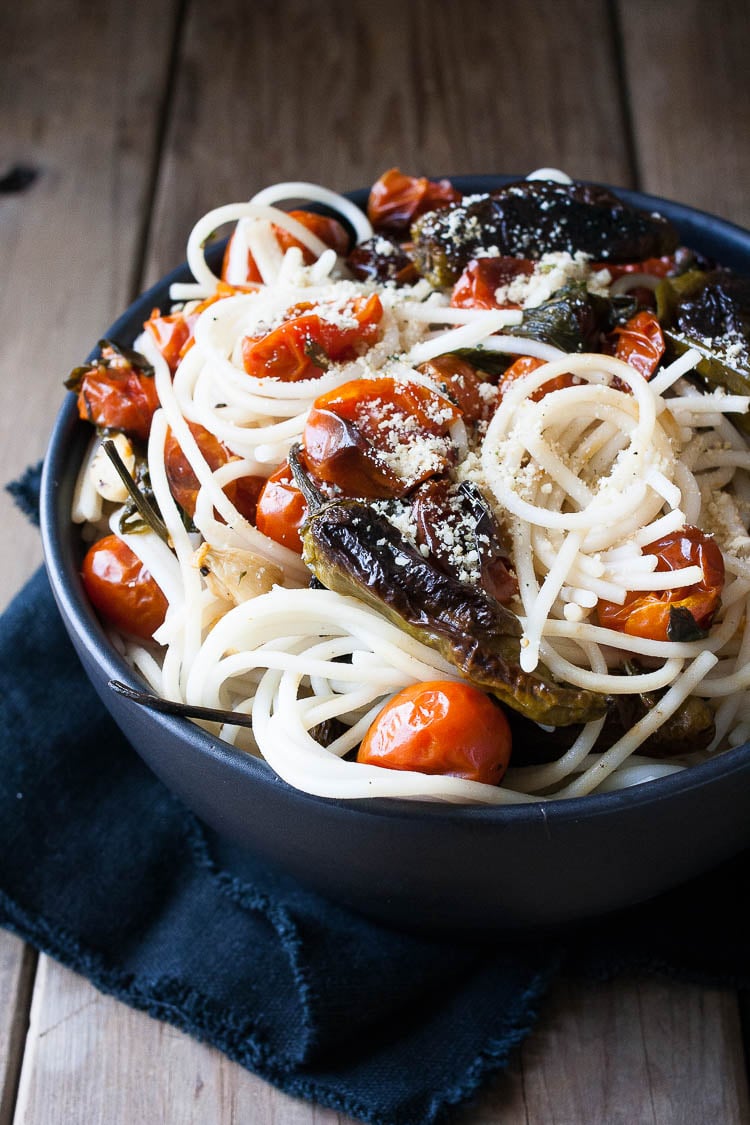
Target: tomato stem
x: 313, y: 496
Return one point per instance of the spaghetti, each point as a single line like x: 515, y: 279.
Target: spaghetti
x: 591, y: 468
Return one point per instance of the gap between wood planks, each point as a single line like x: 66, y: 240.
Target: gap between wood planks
x: 17, y: 1033
x: 160, y: 133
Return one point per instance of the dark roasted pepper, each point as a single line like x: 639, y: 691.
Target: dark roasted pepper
x: 572, y: 320
x: 355, y: 551
x: 529, y: 218
x: 711, y: 313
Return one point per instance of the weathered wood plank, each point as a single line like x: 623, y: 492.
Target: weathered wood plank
x: 17, y: 966
x: 688, y: 86
x: 651, y: 1052
x: 92, y: 1061
x: 337, y: 92
x: 688, y: 78
x: 81, y: 106
x: 646, y: 1051
x: 356, y: 87
x: 75, y: 108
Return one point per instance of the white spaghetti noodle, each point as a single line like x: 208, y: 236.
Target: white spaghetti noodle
x: 584, y: 478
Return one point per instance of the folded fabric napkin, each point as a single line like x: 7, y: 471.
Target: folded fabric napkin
x: 101, y: 867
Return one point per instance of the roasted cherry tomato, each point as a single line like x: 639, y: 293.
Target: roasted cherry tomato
x: 396, y: 200
x: 303, y: 346
x: 121, y: 590
x: 382, y: 259
x: 327, y: 230
x: 672, y: 615
x: 475, y: 397
x: 452, y: 524
x: 116, y: 395
x: 524, y: 365
x: 657, y: 267
x: 173, y: 334
x: 478, y: 284
x: 281, y: 509
x: 440, y: 727
x: 351, y: 430
x: 184, y: 484
x: 640, y: 343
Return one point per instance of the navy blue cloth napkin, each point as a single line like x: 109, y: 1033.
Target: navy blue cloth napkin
x: 104, y: 869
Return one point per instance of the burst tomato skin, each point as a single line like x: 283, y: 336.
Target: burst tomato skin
x: 327, y: 229
x: 281, y: 509
x: 118, y: 397
x: 658, y: 267
x: 344, y: 431
x: 173, y: 333
x: 302, y: 346
x: 482, y: 277
x: 170, y: 334
x: 648, y: 613
x: 184, y: 484
x: 640, y: 343
x: 440, y: 727
x: 524, y: 365
x: 463, y: 385
x: 121, y: 589
x: 396, y: 200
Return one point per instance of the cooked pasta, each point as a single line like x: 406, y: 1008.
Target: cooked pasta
x: 614, y: 478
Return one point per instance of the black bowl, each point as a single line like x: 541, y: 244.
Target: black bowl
x: 420, y: 864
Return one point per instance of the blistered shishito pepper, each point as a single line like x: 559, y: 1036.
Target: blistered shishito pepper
x: 353, y: 550
x: 710, y: 313
x: 529, y: 218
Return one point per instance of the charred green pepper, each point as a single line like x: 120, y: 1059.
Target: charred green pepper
x: 710, y: 312
x: 529, y: 218
x: 572, y: 320
x: 353, y: 550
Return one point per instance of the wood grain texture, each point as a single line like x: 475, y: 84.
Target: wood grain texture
x: 630, y: 1051
x: 17, y: 966
x: 644, y: 1051
x: 74, y: 108
x: 334, y: 92
x: 688, y: 78
x: 92, y: 1061
x: 337, y: 92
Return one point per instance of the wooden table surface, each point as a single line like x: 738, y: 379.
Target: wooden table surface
x: 139, y: 116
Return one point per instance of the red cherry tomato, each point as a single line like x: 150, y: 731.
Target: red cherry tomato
x: 184, y: 484
x: 640, y: 343
x: 657, y: 267
x: 651, y: 613
x: 477, y: 285
x: 475, y: 397
x: 396, y: 200
x: 349, y: 428
x: 115, y: 395
x: 302, y: 346
x: 328, y: 230
x: 440, y: 727
x: 173, y: 334
x: 524, y: 365
x: 281, y: 509
x: 121, y: 590
x: 170, y: 334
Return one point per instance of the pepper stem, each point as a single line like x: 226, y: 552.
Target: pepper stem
x: 145, y: 509
x: 173, y: 707
x: 314, y: 498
